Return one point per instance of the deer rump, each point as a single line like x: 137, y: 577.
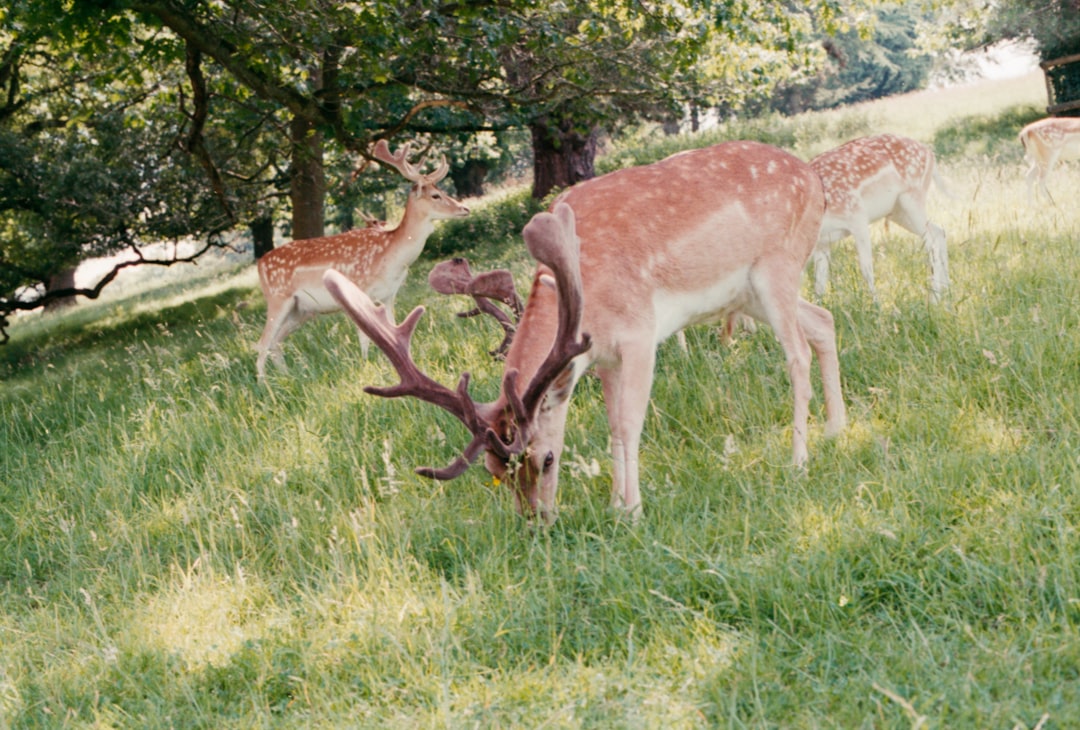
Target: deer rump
x: 631, y: 258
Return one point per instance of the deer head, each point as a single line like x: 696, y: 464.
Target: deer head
x: 502, y: 427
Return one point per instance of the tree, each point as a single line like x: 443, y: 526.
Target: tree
x: 86, y: 168
x: 863, y: 64
x: 229, y: 106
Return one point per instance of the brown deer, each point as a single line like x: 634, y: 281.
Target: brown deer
x: 1045, y: 142
x: 375, y: 258
x: 626, y: 260
x: 880, y: 176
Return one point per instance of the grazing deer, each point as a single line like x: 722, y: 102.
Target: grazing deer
x: 375, y: 258
x: 630, y: 258
x: 1045, y: 142
x: 455, y: 277
x: 880, y: 176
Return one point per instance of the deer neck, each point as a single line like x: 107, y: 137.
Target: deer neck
x: 535, y: 332
x: 408, y: 239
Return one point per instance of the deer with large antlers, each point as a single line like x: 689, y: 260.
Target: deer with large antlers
x: 875, y: 177
x: 1045, y: 142
x: 375, y: 258
x: 626, y: 260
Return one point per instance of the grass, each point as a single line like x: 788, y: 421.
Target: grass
x: 184, y: 548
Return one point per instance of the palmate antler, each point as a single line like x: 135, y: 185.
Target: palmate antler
x: 551, y: 239
x: 410, y: 172
x: 454, y: 277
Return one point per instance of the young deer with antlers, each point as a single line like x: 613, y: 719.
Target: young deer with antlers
x: 630, y: 258
x: 880, y: 176
x: 1045, y: 142
x: 375, y: 258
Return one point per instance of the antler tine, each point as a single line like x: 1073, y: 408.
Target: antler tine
x: 397, y: 160
x: 552, y: 240
x: 395, y: 342
x: 439, y: 172
x: 455, y: 277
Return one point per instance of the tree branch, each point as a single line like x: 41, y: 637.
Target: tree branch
x: 15, y: 304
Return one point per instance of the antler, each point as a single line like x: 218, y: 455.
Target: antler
x: 409, y: 172
x: 395, y: 342
x: 454, y: 277
x: 552, y: 240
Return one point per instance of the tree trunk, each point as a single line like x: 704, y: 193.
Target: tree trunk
x: 562, y: 155
x: 262, y: 235
x: 469, y: 178
x: 63, y: 280
x: 307, y: 188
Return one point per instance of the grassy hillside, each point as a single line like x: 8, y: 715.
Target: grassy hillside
x: 182, y: 547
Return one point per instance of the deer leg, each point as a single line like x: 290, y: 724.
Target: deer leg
x: 776, y: 285
x: 274, y: 332
x: 938, y: 252
x: 626, y: 394
x: 865, y: 250
x: 820, y: 330
x: 820, y: 258
x: 910, y: 213
x: 1034, y: 178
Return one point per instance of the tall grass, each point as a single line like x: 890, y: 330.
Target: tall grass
x: 183, y: 547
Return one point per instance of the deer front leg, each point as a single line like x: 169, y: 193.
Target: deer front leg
x: 820, y: 259
x: 865, y: 250
x: 626, y: 388
x: 936, y: 249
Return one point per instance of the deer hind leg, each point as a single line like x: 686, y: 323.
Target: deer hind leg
x: 279, y: 325
x: 777, y: 288
x: 818, y: 326
x: 268, y: 342
x: 626, y: 394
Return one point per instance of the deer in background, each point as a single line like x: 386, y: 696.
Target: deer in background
x: 625, y: 261
x: 375, y: 258
x: 880, y: 176
x: 1045, y: 142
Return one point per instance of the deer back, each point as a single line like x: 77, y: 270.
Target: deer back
x: 670, y: 243
x: 863, y: 177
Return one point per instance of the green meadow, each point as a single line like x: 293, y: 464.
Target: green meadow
x: 183, y: 547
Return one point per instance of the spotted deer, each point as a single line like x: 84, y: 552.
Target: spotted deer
x: 875, y: 177
x: 375, y: 258
x: 626, y: 260
x: 1045, y: 142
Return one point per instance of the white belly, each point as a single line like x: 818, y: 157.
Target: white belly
x: 675, y: 310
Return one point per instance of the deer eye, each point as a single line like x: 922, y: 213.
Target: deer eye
x: 549, y: 460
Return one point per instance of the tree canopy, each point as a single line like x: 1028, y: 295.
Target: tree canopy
x: 124, y: 122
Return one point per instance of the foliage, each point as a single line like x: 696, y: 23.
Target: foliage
x: 185, y: 548
x: 863, y: 64
x: 188, y: 118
